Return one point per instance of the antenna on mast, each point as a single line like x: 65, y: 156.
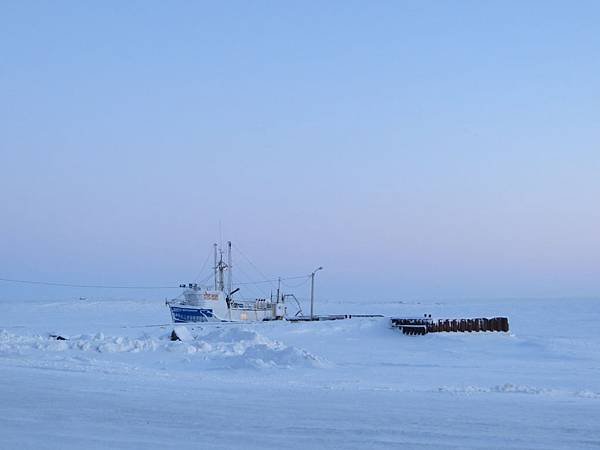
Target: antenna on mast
x: 220, y: 235
x: 278, y: 288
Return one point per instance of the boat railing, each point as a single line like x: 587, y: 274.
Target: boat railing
x: 252, y: 305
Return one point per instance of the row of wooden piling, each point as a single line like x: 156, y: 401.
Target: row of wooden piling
x: 420, y: 326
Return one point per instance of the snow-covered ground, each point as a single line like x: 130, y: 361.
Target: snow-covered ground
x: 117, y: 381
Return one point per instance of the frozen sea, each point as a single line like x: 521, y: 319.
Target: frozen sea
x: 118, y: 381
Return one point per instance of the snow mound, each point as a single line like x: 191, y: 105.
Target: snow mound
x: 182, y: 333
x: 14, y: 343
x: 220, y: 349
x: 239, y: 348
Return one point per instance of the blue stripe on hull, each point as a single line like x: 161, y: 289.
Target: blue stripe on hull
x: 181, y: 315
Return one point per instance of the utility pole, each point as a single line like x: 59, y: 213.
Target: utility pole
x: 312, y: 292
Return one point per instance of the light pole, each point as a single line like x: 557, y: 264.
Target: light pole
x: 312, y: 291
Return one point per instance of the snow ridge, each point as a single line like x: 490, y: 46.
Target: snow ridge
x: 229, y: 348
x: 509, y: 388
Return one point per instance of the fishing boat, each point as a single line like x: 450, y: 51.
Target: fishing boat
x: 201, y: 304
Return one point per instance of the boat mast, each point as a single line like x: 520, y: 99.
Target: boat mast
x: 221, y: 267
x: 229, y: 268
x: 215, y: 265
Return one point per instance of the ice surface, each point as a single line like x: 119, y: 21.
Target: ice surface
x: 118, y: 381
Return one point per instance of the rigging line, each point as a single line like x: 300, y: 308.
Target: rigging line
x: 267, y: 280
x: 203, y: 266
x: 95, y: 286
x: 295, y: 278
x: 293, y: 286
x: 252, y: 286
x: 252, y: 282
x: 253, y: 265
x: 272, y: 280
x: 205, y: 279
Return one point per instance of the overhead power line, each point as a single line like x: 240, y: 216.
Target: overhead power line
x: 94, y: 286
x: 104, y: 286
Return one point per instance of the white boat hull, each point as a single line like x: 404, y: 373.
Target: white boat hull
x: 212, y: 306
